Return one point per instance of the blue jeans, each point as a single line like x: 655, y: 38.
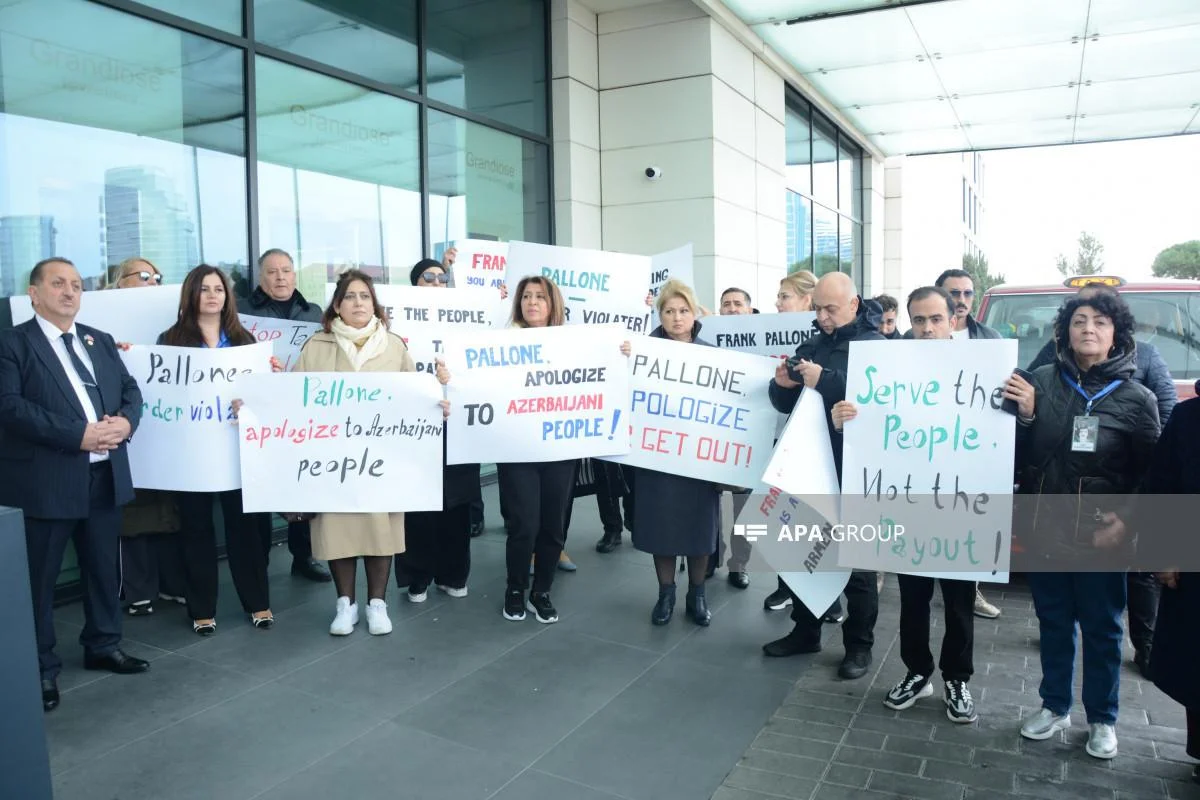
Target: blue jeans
x: 1094, y: 600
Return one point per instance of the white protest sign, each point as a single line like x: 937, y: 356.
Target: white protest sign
x: 187, y: 440
x: 480, y: 263
x: 776, y: 335
x: 537, y: 394
x: 931, y: 451
x: 350, y: 442
x: 598, y: 288
x: 423, y: 316
x: 286, y: 336
x: 700, y: 412
x: 136, y: 316
x: 677, y: 264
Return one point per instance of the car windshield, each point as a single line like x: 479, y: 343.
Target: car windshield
x: 1168, y: 320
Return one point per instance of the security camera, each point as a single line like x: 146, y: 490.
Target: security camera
x: 654, y: 173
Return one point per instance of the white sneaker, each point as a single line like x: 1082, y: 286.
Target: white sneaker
x: 1102, y: 741
x: 377, y: 619
x: 452, y: 591
x: 982, y: 607
x: 1044, y: 724
x: 416, y: 597
x: 347, y: 617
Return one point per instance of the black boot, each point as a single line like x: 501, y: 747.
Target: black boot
x: 795, y: 643
x: 665, y: 607
x: 697, y: 606
x: 609, y: 542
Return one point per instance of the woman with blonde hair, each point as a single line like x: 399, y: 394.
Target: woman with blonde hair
x: 795, y: 292
x: 675, y: 515
x: 134, y: 273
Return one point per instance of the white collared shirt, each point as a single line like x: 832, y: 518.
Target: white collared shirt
x: 60, y: 349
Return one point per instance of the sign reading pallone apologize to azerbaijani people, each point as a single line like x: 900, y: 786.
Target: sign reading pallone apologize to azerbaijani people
x: 932, y: 451
x: 331, y: 441
x: 537, y: 394
x: 186, y: 441
x: 700, y: 412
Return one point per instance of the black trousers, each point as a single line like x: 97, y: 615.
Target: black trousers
x: 152, y: 563
x: 437, y: 547
x: 536, y: 497
x: 609, y: 491
x: 300, y: 540
x: 958, y: 642
x: 97, y: 547
x: 739, y: 546
x: 1142, y: 601
x: 243, y: 546
x: 862, y: 605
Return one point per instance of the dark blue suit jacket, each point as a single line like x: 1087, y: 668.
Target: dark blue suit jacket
x: 42, y: 470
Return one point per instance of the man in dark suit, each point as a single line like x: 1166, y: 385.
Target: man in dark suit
x: 67, y: 408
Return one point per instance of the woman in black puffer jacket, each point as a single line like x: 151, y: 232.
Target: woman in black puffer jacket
x: 1084, y: 440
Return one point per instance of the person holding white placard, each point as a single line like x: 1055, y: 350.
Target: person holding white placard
x: 735, y: 301
x: 675, y: 515
x: 208, y: 318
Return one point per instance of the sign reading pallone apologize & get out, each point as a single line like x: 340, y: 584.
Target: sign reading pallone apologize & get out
x: 537, y: 394
x: 186, y: 440
x: 931, y: 451
x: 331, y: 441
x: 700, y: 412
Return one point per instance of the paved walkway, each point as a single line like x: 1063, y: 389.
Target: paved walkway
x: 835, y: 740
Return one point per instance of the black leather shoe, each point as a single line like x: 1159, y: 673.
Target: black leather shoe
x: 791, y: 645
x: 697, y: 606
x: 739, y: 580
x: 854, y: 665
x: 476, y: 529
x: 117, y: 662
x: 49, y: 694
x: 312, y: 569
x: 609, y: 542
x: 1142, y: 661
x: 664, y: 609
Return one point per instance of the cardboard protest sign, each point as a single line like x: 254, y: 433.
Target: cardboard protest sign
x: 286, y: 336
x: 776, y: 335
x: 598, y: 288
x: 187, y: 439
x: 136, y: 316
x: 932, y: 453
x: 537, y: 394
x: 677, y: 264
x: 480, y: 263
x: 351, y: 442
x: 424, y: 316
x: 700, y: 412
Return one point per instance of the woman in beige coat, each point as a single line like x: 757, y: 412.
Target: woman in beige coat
x: 356, y: 339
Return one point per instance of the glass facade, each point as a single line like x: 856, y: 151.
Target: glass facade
x: 825, y: 194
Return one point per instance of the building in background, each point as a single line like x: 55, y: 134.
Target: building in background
x: 145, y: 217
x: 24, y: 241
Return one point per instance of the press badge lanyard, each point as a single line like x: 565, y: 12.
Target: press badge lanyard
x: 1095, y: 398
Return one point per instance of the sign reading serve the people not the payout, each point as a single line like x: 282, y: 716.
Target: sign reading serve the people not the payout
x: 340, y: 442
x: 536, y: 394
x: 932, y: 451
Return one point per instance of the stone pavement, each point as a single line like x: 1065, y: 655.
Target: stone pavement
x: 835, y: 740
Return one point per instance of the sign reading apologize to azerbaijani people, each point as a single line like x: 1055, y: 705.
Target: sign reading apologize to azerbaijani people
x: 537, y: 394
x: 598, y: 288
x: 677, y: 264
x: 700, y: 412
x: 776, y: 335
x: 187, y: 439
x: 286, y: 336
x: 331, y: 441
x: 930, y: 451
x: 480, y: 263
x: 136, y: 316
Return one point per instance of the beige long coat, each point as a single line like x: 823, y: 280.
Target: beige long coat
x: 350, y: 535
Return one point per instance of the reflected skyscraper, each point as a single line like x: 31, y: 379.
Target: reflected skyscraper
x: 144, y: 216
x: 24, y: 241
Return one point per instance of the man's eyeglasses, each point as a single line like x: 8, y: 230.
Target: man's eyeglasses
x: 435, y: 277
x: 962, y: 292
x: 144, y: 277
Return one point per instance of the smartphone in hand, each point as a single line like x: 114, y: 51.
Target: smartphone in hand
x: 1010, y: 406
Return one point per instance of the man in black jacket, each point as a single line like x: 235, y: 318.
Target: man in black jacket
x: 820, y: 364
x: 276, y: 297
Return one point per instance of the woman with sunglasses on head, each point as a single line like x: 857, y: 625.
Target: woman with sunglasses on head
x: 133, y: 273
x: 208, y: 318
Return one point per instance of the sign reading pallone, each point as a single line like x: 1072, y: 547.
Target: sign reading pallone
x: 537, y: 394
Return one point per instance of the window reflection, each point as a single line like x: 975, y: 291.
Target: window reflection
x: 825, y: 162
x: 106, y: 155
x: 799, y: 232
x: 338, y: 176
x: 849, y: 179
x: 225, y: 15
x: 798, y: 171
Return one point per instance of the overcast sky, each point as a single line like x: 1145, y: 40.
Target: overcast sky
x: 1137, y: 197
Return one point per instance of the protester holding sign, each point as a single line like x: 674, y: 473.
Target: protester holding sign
x: 276, y: 297
x: 1085, y: 430
x: 820, y: 365
x: 355, y: 338
x: 735, y: 302
x: 208, y: 318
x: 438, y: 543
x: 795, y: 292
x: 675, y: 515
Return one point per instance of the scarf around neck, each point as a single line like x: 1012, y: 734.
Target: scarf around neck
x: 360, y: 344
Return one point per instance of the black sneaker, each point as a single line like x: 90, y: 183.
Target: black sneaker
x: 960, y: 707
x: 908, y: 691
x: 543, y: 610
x: 514, y: 605
x: 777, y: 600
